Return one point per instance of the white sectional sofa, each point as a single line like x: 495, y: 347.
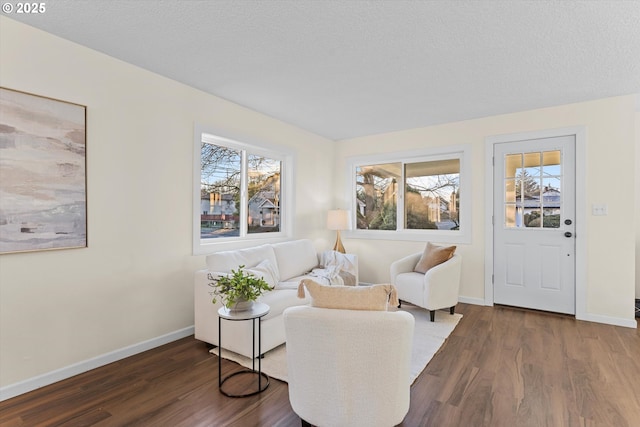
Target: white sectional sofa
x: 289, y: 262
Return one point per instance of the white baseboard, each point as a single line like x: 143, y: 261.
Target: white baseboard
x: 472, y: 301
x: 615, y: 321
x: 39, y: 381
x: 597, y: 318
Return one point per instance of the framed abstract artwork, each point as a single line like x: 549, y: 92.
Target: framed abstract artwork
x: 43, y: 179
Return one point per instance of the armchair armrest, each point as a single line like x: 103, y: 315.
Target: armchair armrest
x: 448, y: 270
x: 403, y: 265
x: 442, y: 283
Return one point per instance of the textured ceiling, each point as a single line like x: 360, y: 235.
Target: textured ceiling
x: 344, y: 69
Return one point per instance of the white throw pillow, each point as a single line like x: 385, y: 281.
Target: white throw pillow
x: 265, y: 270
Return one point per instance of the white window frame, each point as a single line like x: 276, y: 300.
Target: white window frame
x: 463, y: 235
x: 244, y: 143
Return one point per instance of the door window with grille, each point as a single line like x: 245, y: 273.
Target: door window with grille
x: 533, y: 189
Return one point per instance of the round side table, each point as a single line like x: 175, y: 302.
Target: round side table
x: 255, y: 313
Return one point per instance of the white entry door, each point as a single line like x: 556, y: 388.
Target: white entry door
x: 534, y: 224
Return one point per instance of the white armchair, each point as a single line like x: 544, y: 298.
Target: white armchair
x: 348, y: 367
x: 437, y: 288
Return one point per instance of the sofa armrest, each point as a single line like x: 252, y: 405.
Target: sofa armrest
x: 403, y: 265
x: 353, y: 260
x: 205, y: 312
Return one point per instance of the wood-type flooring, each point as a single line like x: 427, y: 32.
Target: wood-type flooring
x: 500, y: 367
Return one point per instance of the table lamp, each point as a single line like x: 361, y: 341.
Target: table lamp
x: 338, y: 219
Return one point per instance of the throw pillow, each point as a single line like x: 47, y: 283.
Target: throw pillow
x: 373, y: 297
x: 432, y: 256
x: 266, y: 271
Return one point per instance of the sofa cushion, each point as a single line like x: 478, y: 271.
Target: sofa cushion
x: 295, y: 258
x: 375, y: 297
x: 225, y: 261
x: 294, y: 282
x: 279, y: 300
x: 433, y: 255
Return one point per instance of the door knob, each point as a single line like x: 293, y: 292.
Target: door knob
x: 568, y: 234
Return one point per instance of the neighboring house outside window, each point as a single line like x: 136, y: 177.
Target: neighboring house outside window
x: 264, y: 206
x: 240, y: 190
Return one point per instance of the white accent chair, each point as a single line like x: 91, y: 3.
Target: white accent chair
x: 348, y: 367
x: 436, y: 289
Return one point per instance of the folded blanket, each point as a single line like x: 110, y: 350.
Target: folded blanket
x: 337, y: 269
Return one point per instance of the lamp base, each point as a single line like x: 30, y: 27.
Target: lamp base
x: 338, y: 247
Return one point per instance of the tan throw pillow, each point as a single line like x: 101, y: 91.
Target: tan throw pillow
x: 373, y: 297
x: 432, y: 256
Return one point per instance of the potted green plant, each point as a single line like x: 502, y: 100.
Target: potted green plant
x: 238, y: 290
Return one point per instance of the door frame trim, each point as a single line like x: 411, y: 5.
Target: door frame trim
x: 580, y: 134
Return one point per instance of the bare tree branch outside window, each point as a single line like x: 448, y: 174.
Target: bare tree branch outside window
x: 221, y: 181
x: 431, y: 195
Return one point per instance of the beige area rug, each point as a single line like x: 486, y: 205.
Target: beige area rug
x: 427, y: 339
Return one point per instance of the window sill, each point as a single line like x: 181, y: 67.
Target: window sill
x: 217, y: 245
x: 442, y: 236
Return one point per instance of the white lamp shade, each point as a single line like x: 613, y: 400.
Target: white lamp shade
x: 339, y: 219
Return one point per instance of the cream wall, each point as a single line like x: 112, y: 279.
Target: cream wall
x: 134, y: 282
x: 610, y: 170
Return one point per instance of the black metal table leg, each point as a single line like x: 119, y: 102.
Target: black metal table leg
x: 262, y: 310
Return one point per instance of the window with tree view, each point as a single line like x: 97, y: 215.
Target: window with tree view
x: 409, y: 195
x: 240, y: 191
x: 533, y: 196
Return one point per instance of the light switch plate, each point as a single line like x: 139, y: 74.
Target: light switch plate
x: 599, y: 209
